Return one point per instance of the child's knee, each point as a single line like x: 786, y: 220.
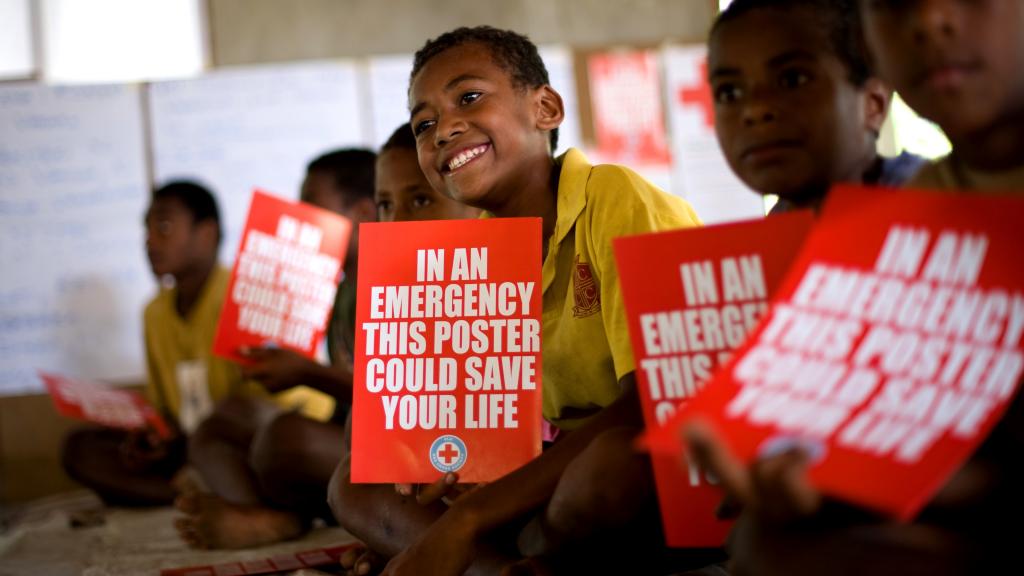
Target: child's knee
x: 275, y: 444
x: 77, y: 450
x: 605, y: 485
x: 339, y: 492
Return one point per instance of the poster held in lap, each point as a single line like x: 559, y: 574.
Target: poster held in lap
x: 448, y: 363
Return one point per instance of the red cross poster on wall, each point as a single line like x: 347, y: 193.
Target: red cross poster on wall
x: 691, y: 297
x: 447, y: 375
x: 699, y: 169
x: 892, y: 349
x: 285, y: 278
x: 625, y: 91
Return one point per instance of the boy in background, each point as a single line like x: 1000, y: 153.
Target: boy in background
x: 797, y: 108
x: 185, y: 379
x: 267, y: 469
x: 960, y: 65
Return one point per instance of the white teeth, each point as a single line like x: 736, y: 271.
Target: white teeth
x: 465, y: 156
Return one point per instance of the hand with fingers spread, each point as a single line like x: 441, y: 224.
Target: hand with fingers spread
x: 774, y: 488
x: 446, y: 489
x: 276, y: 369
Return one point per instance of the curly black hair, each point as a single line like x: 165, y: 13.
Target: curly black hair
x: 402, y: 139
x: 839, y: 18
x: 513, y: 52
x: 352, y: 169
x: 195, y: 197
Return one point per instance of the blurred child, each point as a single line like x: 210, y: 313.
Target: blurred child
x: 268, y: 469
x: 485, y: 119
x: 182, y: 236
x: 958, y: 63
x: 796, y: 106
x: 402, y: 194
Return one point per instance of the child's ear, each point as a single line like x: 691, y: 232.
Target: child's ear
x: 549, y: 108
x: 877, y: 95
x: 207, y: 230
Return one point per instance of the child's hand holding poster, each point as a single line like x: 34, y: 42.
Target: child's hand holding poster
x: 285, y: 278
x: 102, y: 404
x: 448, y: 364
x: 691, y: 297
x: 892, y: 350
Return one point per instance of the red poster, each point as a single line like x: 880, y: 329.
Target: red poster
x: 625, y: 92
x: 102, y: 404
x: 892, y: 349
x: 448, y: 363
x: 273, y: 565
x: 691, y: 297
x: 285, y: 277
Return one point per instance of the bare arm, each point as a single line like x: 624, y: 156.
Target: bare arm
x: 279, y: 369
x: 451, y: 543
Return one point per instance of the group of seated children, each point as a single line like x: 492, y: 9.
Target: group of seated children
x: 801, y: 90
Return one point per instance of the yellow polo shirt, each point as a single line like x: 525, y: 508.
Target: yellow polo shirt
x: 585, y: 337
x: 951, y: 174
x: 181, y: 349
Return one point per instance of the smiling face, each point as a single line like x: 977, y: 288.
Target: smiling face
x: 478, y: 136
x: 959, y: 63
x: 403, y: 193
x: 788, y: 118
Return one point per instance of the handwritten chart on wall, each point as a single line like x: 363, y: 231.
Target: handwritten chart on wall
x: 237, y: 129
x: 72, y: 194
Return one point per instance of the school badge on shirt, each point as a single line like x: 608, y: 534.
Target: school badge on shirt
x: 584, y: 290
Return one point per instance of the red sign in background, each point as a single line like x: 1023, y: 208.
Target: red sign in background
x: 102, y: 404
x: 284, y: 279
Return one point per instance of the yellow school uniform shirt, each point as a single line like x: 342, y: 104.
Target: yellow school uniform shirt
x: 951, y: 174
x: 585, y: 339
x: 173, y: 342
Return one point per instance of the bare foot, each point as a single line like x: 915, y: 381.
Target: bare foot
x: 213, y: 523
x: 188, y: 481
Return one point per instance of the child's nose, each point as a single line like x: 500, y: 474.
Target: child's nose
x: 930, y: 20
x: 759, y: 108
x: 449, y: 126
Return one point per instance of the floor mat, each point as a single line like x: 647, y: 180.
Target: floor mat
x: 39, y: 539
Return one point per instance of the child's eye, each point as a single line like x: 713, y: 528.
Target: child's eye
x: 163, y: 227
x: 421, y: 201
x: 469, y: 97
x: 421, y: 127
x: 793, y: 78
x: 727, y: 93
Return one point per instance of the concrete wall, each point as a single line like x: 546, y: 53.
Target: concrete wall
x: 257, y: 31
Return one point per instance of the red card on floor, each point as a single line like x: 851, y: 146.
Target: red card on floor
x: 274, y: 565
x: 102, y: 404
x: 448, y: 369
x: 691, y: 297
x: 284, y: 279
x: 891, y: 351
